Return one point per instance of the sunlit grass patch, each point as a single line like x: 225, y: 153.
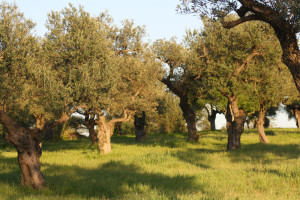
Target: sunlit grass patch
x: 165, y: 166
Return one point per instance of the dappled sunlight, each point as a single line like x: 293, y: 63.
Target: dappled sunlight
x: 115, y: 180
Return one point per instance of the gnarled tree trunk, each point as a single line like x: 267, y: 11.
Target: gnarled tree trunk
x: 190, y: 118
x: 260, y: 124
x: 93, y: 135
x: 297, y: 116
x: 29, y: 151
x: 139, y: 124
x: 235, y: 118
x: 212, y: 119
x: 105, y: 131
x: 90, y: 123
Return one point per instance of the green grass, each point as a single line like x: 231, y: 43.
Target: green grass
x: 165, y: 166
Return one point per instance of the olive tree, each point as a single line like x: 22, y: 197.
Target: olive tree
x: 109, y: 70
x: 183, y: 71
x: 29, y: 89
x: 282, y: 15
x: 232, y: 54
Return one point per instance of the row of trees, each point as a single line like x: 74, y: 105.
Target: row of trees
x: 109, y: 74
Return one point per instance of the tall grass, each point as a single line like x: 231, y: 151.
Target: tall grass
x: 165, y: 166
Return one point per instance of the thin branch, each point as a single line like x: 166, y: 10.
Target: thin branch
x: 76, y: 108
x: 225, y: 94
x: 245, y: 63
x: 207, y: 111
x: 137, y: 93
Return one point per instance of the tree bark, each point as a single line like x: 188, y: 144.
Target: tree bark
x: 29, y: 151
x: 40, y: 123
x: 90, y: 123
x: 297, y: 115
x: 212, y: 119
x: 139, y: 124
x: 190, y: 118
x: 260, y: 124
x: 235, y: 118
x: 105, y: 131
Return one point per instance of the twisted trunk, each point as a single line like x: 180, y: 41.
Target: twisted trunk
x: 260, y: 124
x: 139, y: 124
x: 105, y: 131
x: 90, y: 123
x: 93, y: 135
x: 212, y: 119
x: 235, y: 118
x: 29, y: 152
x: 190, y: 118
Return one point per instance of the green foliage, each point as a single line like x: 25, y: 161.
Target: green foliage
x: 77, y: 46
x: 101, y: 66
x: 164, y: 167
x: 241, y: 63
x: 26, y: 79
x: 169, y: 117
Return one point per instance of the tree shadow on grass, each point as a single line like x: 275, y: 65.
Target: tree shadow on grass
x: 113, y: 180
x: 178, y: 140
x: 9, y: 174
x: 271, y: 133
x: 260, y: 153
x: 197, y: 157
x: 83, y: 143
x: 162, y: 140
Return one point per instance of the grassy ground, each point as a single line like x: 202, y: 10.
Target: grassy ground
x: 164, y: 167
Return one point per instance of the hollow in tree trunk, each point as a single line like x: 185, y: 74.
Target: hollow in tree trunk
x: 190, y: 118
x: 235, y: 119
x: 139, y: 124
x: 29, y: 151
x: 260, y: 124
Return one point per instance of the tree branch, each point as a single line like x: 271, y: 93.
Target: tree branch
x: 245, y: 63
x: 207, y: 111
x: 137, y: 93
x: 169, y: 84
x: 239, y: 21
x: 127, y: 114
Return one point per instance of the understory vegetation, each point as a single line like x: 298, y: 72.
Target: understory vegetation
x: 164, y: 166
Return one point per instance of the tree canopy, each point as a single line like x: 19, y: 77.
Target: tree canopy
x: 282, y: 15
